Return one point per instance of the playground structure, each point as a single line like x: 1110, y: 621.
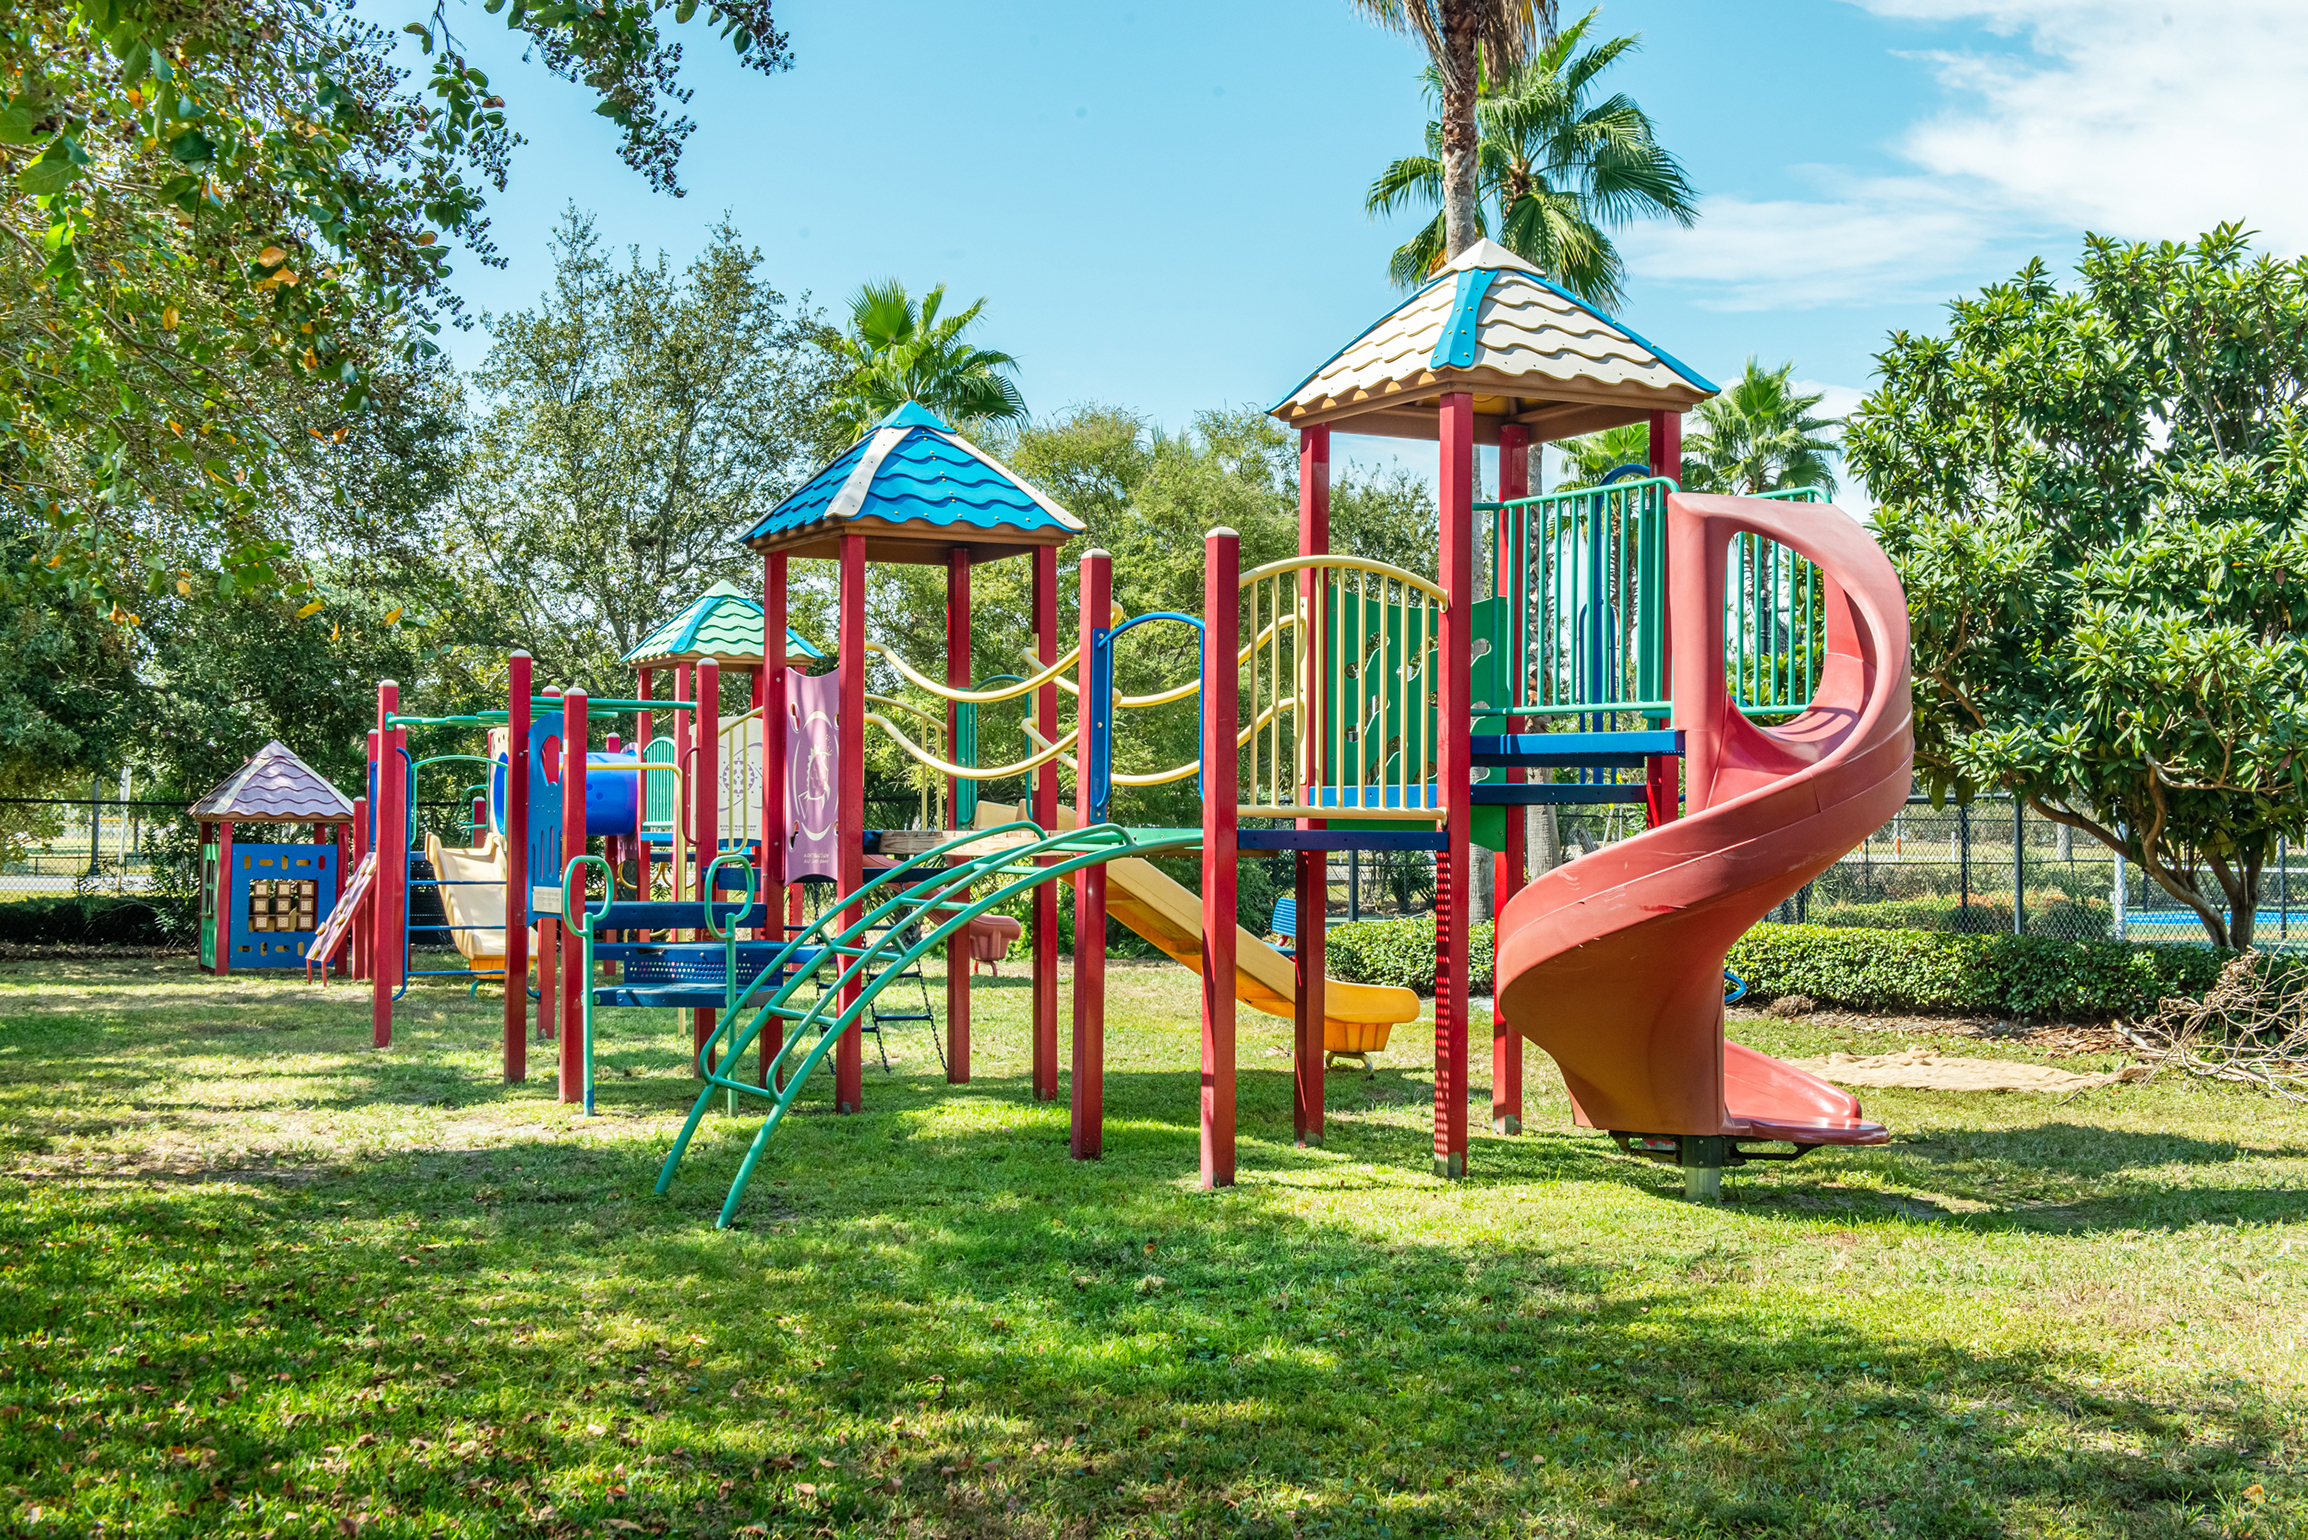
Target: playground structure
x: 265, y: 906
x: 1632, y: 637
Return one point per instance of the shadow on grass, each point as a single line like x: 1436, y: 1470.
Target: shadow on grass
x: 975, y: 1335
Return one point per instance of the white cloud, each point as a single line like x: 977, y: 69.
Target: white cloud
x: 2142, y: 118
x: 2149, y: 119
x: 1888, y: 238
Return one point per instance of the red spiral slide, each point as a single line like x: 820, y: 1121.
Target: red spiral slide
x: 1614, y: 963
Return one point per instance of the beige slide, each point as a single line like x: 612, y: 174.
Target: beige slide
x: 476, y: 914
x: 1356, y: 1017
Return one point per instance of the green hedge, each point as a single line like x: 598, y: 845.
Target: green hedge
x: 92, y: 921
x: 1401, y: 953
x: 1934, y: 972
x: 1929, y: 972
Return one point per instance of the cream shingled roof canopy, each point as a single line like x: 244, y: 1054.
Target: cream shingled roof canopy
x: 1490, y: 324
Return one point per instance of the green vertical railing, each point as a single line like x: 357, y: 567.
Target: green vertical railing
x: 657, y: 790
x: 1774, y: 620
x: 1584, y: 575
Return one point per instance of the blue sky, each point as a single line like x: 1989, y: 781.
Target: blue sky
x: 1162, y: 204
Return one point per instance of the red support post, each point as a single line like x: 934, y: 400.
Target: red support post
x: 344, y: 843
x: 1663, y: 773
x: 576, y: 734
x: 1312, y: 885
x: 519, y: 691
x: 708, y: 809
x: 758, y: 816
x: 773, y: 772
x: 1045, y: 816
x: 1512, y: 865
x: 357, y: 935
x: 1221, y: 694
x: 225, y: 887
x: 1089, y: 1078
x: 958, y: 669
x: 1454, y: 772
x: 644, y: 734
x: 548, y: 925
x: 685, y: 800
x: 385, y: 955
x: 849, y: 809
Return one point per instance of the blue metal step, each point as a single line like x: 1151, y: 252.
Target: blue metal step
x: 1542, y: 795
x: 1600, y: 751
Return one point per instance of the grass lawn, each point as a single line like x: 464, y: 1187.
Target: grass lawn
x: 258, y: 1278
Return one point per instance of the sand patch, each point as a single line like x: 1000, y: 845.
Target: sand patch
x: 1927, y: 1069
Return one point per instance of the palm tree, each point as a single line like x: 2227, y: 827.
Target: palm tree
x: 1759, y: 436
x: 1463, y: 38
x: 897, y: 353
x: 1556, y: 167
x: 1593, y: 456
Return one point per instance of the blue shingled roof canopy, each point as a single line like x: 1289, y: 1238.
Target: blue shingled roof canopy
x: 915, y: 489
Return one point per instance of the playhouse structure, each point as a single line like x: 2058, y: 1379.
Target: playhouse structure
x: 264, y: 905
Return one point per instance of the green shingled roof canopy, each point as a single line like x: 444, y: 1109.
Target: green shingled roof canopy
x: 723, y: 624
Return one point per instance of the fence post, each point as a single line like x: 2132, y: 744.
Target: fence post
x: 95, y: 821
x: 1963, y: 857
x: 2117, y: 900
x: 2019, y: 881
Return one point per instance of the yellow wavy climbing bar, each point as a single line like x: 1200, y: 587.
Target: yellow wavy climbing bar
x: 1175, y: 773
x: 1347, y: 564
x: 966, y: 772
x: 1180, y: 691
x: 913, y: 676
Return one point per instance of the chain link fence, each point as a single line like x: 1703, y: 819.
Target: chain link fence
x: 105, y: 844
x: 1980, y: 869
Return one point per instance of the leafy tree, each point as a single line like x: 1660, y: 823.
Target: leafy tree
x: 2098, y: 499
x: 223, y: 221
x: 1463, y: 39
x: 65, y: 677
x: 897, y: 352
x: 1759, y: 436
x: 1556, y: 168
x: 628, y: 429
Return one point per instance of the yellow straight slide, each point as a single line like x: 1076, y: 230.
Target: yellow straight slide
x: 1356, y: 1017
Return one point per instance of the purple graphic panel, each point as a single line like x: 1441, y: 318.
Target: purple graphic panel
x: 812, y: 775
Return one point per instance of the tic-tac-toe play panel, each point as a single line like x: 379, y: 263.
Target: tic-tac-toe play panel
x: 276, y: 897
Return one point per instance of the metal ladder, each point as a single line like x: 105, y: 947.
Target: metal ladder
x: 877, y: 1018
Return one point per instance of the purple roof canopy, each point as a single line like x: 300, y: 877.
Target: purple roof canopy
x: 274, y: 787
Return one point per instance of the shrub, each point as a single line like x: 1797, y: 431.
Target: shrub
x: 1927, y: 972
x: 92, y: 921
x: 1937, y: 972
x: 1401, y: 953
